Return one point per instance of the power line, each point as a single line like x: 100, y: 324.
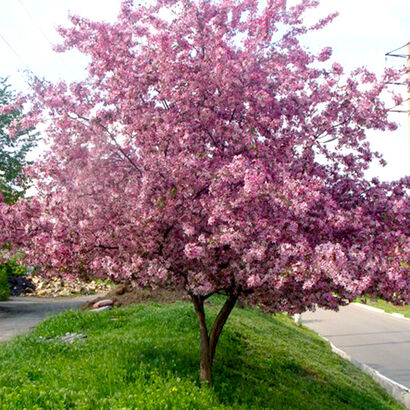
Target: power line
x: 15, y: 52
x: 407, y: 55
x: 390, y: 53
x: 35, y: 23
x: 41, y: 31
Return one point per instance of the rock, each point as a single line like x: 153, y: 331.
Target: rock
x: 298, y: 319
x: 103, y: 303
x: 29, y: 291
x: 70, y: 337
x: 56, y: 286
x: 101, y: 309
x: 20, y: 285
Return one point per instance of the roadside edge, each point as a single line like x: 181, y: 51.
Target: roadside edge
x: 398, y: 391
x: 396, y: 315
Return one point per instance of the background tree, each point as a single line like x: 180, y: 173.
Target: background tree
x: 13, y: 148
x: 209, y: 151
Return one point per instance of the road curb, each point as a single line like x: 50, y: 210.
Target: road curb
x: 396, y: 315
x: 398, y: 391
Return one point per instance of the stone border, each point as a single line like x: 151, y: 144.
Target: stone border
x: 396, y: 315
x: 398, y: 391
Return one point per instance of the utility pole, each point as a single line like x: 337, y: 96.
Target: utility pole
x: 408, y: 96
x: 407, y: 56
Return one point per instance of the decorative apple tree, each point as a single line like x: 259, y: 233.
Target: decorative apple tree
x: 209, y: 151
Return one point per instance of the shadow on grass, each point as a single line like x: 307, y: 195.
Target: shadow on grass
x: 281, y: 379
x: 249, y: 372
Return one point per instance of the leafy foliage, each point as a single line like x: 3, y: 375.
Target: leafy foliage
x: 12, y: 267
x: 4, y: 284
x: 13, y: 147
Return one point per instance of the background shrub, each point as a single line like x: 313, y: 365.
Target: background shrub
x: 9, y: 269
x: 4, y: 283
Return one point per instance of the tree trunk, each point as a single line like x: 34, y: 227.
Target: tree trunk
x: 205, y: 365
x: 210, y: 340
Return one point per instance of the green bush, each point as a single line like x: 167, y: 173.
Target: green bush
x: 4, y: 283
x: 8, y: 269
x: 13, y: 266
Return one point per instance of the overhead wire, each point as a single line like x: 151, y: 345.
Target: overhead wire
x: 35, y: 23
x: 389, y: 54
x: 42, y: 32
x: 28, y: 71
x: 15, y: 52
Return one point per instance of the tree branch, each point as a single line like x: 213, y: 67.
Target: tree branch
x: 220, y: 322
x: 112, y: 137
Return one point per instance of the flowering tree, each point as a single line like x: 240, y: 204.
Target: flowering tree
x: 209, y: 151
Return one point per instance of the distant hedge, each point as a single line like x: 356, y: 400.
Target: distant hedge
x: 4, y: 283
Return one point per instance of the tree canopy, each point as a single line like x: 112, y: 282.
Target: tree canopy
x: 13, y: 148
x: 209, y: 151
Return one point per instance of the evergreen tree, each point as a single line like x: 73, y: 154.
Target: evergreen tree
x: 13, y: 148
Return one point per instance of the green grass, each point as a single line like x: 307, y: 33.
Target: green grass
x: 146, y: 357
x: 387, y: 306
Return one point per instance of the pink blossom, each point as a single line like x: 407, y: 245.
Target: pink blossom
x: 325, y: 54
x: 201, y: 161
x: 254, y: 281
x: 192, y: 251
x: 337, y: 68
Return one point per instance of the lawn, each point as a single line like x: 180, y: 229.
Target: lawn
x: 386, y: 306
x: 146, y: 356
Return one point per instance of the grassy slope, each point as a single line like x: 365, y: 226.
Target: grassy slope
x: 146, y: 356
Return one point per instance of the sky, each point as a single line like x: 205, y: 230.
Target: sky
x: 361, y: 36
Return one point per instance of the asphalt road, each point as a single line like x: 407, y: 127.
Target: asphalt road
x: 19, y: 314
x: 376, y: 339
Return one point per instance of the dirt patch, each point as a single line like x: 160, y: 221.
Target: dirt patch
x: 126, y: 295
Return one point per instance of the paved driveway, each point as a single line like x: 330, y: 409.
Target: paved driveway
x: 376, y: 339
x: 19, y: 314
